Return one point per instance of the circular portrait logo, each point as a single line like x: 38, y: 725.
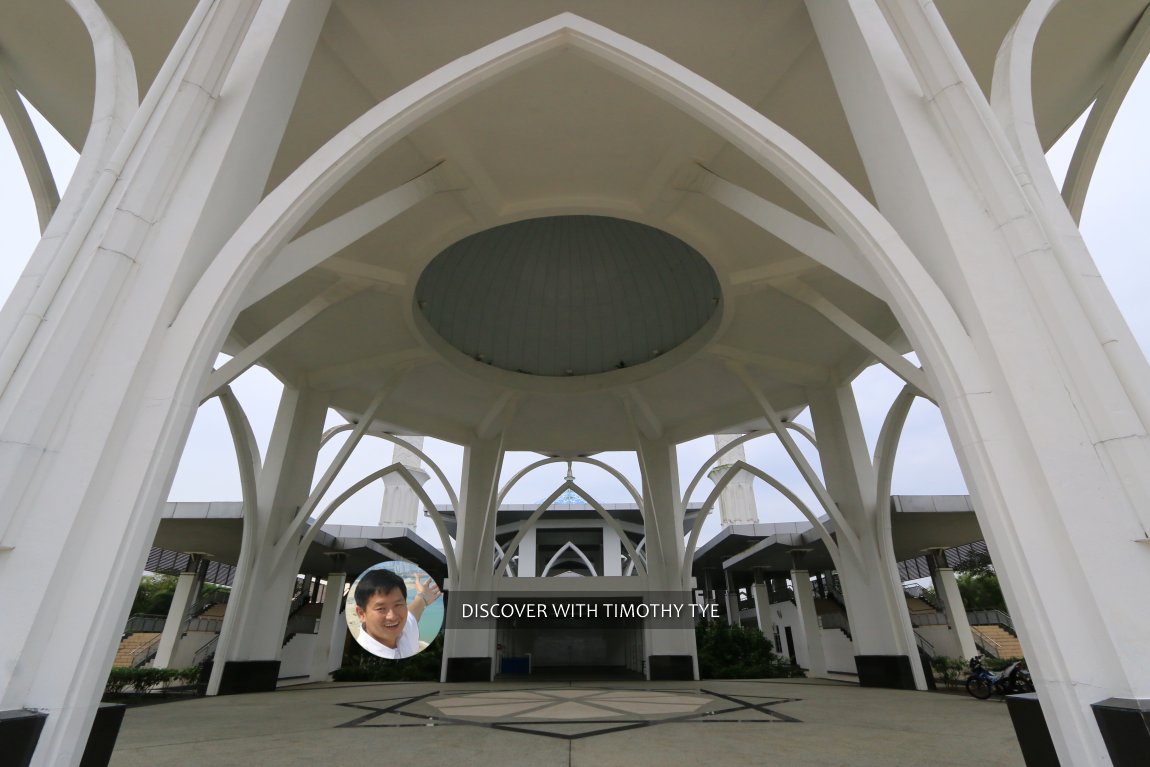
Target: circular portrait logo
x: 394, y: 610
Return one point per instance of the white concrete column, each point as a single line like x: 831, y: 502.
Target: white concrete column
x: 528, y: 555
x: 475, y: 547
x: 257, y: 613
x: 812, y: 636
x: 1043, y: 425
x: 664, y: 530
x: 612, y: 552
x: 330, y: 622
x: 187, y: 591
x: 91, y: 424
x: 731, y: 597
x: 876, y: 608
x: 946, y: 586
x: 763, y: 615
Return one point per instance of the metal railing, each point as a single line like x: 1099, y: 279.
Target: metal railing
x: 145, y: 652
x: 145, y: 623
x: 918, y: 592
x: 156, y: 623
x: 204, y: 624
x: 924, y: 644
x: 206, y: 652
x: 929, y: 619
x: 985, y: 643
x: 991, y: 618
x: 216, y: 598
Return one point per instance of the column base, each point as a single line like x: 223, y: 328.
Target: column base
x: 102, y: 738
x: 476, y: 669
x: 677, y: 668
x: 889, y: 671
x: 19, y: 734
x: 1031, y: 730
x: 242, y: 676
x: 1125, y: 726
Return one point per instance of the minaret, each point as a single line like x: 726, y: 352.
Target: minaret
x: 737, y: 502
x: 400, y: 503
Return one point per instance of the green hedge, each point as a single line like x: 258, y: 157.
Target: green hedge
x: 123, y: 679
x: 949, y: 671
x: 738, y: 652
x: 361, y: 666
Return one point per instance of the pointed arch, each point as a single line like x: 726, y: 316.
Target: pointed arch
x: 917, y: 301
x: 568, y: 546
x: 715, y: 456
x: 452, y: 498
x: 396, y: 468
x: 638, y: 558
x: 1102, y: 115
x: 1012, y: 102
x: 29, y: 150
x: 884, y: 453
x: 626, y: 483
x: 499, y: 557
x: 736, y: 467
x: 531, y: 521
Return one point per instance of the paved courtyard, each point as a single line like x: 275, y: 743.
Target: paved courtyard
x: 712, y: 723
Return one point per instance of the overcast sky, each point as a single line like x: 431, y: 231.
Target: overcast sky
x: 1112, y: 224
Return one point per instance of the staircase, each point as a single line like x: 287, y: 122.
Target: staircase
x: 918, y: 606
x: 127, y: 654
x: 997, y: 641
x: 215, y: 611
x: 832, y: 615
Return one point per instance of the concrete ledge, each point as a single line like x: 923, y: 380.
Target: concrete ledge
x: 1031, y: 730
x: 240, y: 676
x: 1125, y: 726
x: 102, y: 737
x: 671, y: 667
x: 477, y: 669
x: 19, y: 733
x: 890, y: 671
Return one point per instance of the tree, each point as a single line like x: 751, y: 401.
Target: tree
x: 155, y: 592
x: 154, y: 595
x: 980, y: 590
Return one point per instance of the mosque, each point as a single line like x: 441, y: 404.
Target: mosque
x: 570, y: 228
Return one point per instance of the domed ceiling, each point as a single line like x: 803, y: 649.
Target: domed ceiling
x: 567, y: 295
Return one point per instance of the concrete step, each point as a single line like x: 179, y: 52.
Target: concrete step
x: 1004, y: 644
x: 129, y: 645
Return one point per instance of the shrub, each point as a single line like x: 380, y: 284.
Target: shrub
x: 361, y: 666
x: 141, y: 680
x: 738, y: 652
x: 949, y: 671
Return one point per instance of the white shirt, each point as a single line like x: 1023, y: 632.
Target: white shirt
x: 407, y: 645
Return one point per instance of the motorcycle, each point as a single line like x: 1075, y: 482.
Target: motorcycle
x: 1013, y: 679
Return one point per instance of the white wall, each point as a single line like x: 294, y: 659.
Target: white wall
x: 837, y: 648
x: 295, y: 660
x: 943, y: 638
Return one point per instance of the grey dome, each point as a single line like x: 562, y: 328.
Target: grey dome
x: 567, y: 295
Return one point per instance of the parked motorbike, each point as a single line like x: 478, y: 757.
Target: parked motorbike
x: 1013, y: 679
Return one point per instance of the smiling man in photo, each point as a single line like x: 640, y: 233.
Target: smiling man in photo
x: 390, y: 626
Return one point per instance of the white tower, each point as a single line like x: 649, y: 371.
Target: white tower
x: 400, y: 506
x: 737, y: 503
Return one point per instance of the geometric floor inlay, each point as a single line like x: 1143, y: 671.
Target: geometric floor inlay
x: 568, y: 712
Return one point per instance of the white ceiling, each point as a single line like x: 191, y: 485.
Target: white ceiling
x: 565, y: 137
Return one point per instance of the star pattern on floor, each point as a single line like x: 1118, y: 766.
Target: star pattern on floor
x: 568, y: 713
